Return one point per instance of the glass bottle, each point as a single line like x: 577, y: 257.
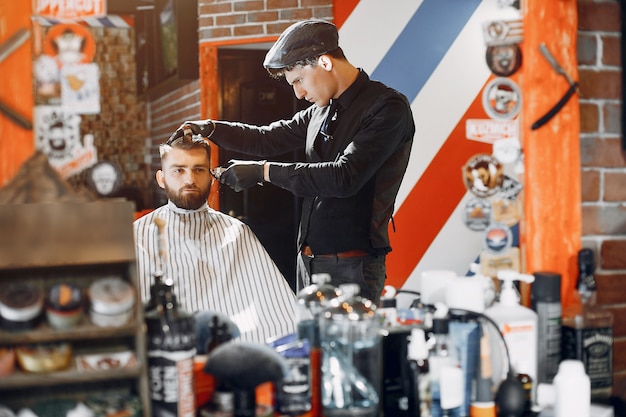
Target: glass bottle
x: 587, y: 332
x: 351, y: 356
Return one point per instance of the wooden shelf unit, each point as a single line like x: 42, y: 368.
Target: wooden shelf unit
x: 77, y: 243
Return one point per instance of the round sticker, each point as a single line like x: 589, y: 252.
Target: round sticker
x: 503, y: 60
x: 502, y: 98
x: 498, y: 238
x: 477, y: 214
x: 483, y: 175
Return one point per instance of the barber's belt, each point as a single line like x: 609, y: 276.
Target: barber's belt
x: 306, y: 251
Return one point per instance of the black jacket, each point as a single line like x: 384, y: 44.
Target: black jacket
x: 350, y: 188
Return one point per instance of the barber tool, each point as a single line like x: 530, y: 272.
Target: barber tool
x: 561, y: 103
x: 15, y: 41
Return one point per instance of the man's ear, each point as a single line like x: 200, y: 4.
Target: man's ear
x: 159, y: 178
x: 325, y: 62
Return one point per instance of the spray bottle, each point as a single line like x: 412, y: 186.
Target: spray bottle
x: 518, y: 325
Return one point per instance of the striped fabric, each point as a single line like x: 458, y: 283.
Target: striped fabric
x: 217, y: 264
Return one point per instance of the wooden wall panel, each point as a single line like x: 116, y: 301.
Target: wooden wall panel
x: 16, y: 143
x: 552, y: 205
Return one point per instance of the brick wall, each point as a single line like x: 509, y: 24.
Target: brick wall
x: 120, y: 129
x: 603, y: 165
x: 234, y: 19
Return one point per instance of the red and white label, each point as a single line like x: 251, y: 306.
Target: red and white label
x: 69, y: 9
x: 490, y: 130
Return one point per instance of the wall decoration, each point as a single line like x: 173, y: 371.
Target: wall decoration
x: 483, y: 175
x: 80, y: 88
x: 477, y: 214
x: 504, y: 60
x: 503, y: 32
x: 69, y: 44
x: 57, y: 135
x: 502, y: 98
x: 47, y: 80
x: 491, y: 130
x: 104, y: 178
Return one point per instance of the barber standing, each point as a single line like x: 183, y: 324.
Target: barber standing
x: 357, y: 136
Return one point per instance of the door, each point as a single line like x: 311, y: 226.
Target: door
x: 250, y: 95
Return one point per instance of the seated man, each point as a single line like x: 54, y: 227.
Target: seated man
x: 215, y: 261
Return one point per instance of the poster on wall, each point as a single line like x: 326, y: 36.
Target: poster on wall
x: 57, y: 135
x: 67, y: 85
x: 80, y: 88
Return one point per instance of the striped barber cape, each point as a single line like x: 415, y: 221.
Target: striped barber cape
x: 217, y: 264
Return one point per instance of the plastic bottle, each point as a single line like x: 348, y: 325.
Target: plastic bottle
x: 518, y: 325
x: 419, y: 382
x: 446, y: 376
x: 573, y: 390
x: 171, y: 352
x: 545, y: 300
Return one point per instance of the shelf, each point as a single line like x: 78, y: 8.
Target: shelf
x: 20, y: 379
x: 85, y: 331
x: 77, y: 243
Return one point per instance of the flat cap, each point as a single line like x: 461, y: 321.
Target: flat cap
x: 302, y: 40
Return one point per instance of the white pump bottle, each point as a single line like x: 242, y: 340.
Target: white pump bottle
x: 518, y: 325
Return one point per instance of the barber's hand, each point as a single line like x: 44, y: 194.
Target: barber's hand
x: 241, y: 175
x: 204, y: 128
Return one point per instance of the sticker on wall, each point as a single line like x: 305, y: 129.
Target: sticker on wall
x: 490, y: 264
x: 503, y: 32
x: 57, y: 135
x: 47, y: 80
x: 491, y: 130
x: 507, y: 151
x: 483, y: 175
x: 104, y: 178
x: 497, y: 238
x: 477, y: 214
x: 502, y: 98
x: 506, y: 211
x: 510, y: 188
x: 504, y: 60
x: 80, y: 88
x: 70, y: 44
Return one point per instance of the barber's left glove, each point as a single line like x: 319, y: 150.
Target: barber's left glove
x: 241, y: 175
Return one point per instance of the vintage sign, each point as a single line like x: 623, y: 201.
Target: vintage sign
x: 69, y: 9
x: 490, y: 130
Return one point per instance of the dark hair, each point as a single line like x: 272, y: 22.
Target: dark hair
x: 186, y: 143
x: 280, y: 72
